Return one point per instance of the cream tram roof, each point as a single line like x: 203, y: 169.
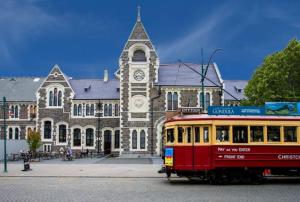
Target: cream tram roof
x: 231, y: 117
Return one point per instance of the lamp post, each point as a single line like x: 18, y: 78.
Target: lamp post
x: 4, y: 108
x: 204, y: 72
x: 98, y: 128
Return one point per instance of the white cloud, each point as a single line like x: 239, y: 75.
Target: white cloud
x: 199, y: 36
x: 19, y: 21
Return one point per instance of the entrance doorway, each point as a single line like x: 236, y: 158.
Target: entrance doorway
x: 107, y: 142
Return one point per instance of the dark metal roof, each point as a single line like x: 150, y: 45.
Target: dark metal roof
x: 179, y: 75
x: 19, y: 88
x: 236, y: 88
x: 93, y: 89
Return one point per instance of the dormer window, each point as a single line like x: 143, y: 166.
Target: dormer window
x: 139, y: 56
x: 55, y: 98
x: 238, y: 90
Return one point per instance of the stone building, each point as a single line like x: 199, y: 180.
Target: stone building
x: 123, y: 115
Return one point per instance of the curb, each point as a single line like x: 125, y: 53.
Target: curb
x: 112, y: 177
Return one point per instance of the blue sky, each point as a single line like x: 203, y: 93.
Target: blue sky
x: 84, y: 37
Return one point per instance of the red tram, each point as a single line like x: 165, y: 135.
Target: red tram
x: 226, y: 148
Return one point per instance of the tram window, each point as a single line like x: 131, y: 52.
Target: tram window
x: 273, y: 133
x: 197, y: 134
x: 222, y: 134
x: 170, y: 135
x: 256, y: 133
x: 290, y: 134
x: 240, y: 134
x: 180, y: 135
x: 205, y: 134
x: 189, y: 135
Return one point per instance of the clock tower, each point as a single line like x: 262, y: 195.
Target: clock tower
x: 138, y: 65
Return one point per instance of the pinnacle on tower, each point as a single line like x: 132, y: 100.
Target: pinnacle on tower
x: 138, y: 13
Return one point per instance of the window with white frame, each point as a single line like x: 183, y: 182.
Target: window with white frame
x: 14, y: 112
x: 207, y: 100
x: 134, y: 139
x: 17, y: 133
x: 172, y: 101
x: 117, y: 139
x: 76, y: 137
x: 117, y: 110
x: 13, y: 133
x: 108, y: 110
x: 55, y: 97
x: 89, y: 137
x: 138, y: 139
x: 84, y: 110
x: 10, y: 133
x: 62, y: 133
x: 47, y: 147
x: 47, y: 129
x: 32, y: 111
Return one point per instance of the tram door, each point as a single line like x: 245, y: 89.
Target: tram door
x: 201, y: 147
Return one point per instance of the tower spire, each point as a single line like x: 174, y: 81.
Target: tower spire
x: 138, y: 13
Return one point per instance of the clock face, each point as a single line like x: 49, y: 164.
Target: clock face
x: 139, y: 75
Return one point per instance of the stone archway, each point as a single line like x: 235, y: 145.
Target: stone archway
x: 159, y: 131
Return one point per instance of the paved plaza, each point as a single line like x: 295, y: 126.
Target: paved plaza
x: 119, y: 179
x: 139, y: 189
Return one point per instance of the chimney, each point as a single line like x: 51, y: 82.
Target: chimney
x: 105, y: 77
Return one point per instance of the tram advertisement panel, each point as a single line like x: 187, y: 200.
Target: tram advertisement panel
x: 274, y: 154
x: 169, y: 156
x: 282, y: 108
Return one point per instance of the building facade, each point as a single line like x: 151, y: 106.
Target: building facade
x: 123, y: 115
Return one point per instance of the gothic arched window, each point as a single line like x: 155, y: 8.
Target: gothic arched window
x: 207, y: 100
x: 59, y: 98
x: 89, y: 135
x: 175, y: 101
x: 117, y: 139
x: 79, y: 110
x: 87, y: 110
x: 75, y: 112
x: 47, y: 130
x: 142, y: 139
x: 62, y: 133
x: 92, y: 110
x: 139, y: 56
x: 170, y: 98
x: 51, y: 98
x: 77, y: 137
x: 17, y: 133
x: 55, y: 97
x: 134, y: 139
x: 10, y: 133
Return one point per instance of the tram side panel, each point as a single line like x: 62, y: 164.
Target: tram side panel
x: 183, y: 157
x: 202, y: 158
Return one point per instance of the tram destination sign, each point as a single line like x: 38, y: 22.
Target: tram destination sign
x: 190, y: 110
x: 235, y: 110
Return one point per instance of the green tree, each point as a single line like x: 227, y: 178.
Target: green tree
x: 277, y: 79
x: 34, y: 142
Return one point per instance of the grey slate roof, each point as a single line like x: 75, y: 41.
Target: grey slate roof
x: 19, y: 88
x: 92, y: 89
x: 172, y: 75
x: 233, y: 86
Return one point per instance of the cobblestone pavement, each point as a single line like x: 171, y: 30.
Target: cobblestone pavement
x: 140, y: 189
